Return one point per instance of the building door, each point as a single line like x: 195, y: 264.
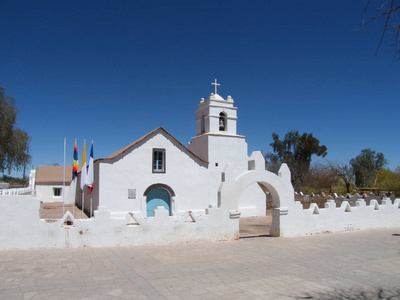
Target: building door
x: 157, y: 197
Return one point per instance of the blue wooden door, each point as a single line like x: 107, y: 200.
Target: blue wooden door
x: 157, y: 197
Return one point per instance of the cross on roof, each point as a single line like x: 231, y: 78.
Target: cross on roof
x: 215, y: 84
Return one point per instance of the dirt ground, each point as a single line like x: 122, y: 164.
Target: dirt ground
x: 54, y: 210
x: 254, y: 226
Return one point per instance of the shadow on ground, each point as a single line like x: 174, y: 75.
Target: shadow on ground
x: 354, y: 294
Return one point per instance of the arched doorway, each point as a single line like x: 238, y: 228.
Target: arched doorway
x: 255, y: 207
x: 158, y: 195
x: 279, y: 187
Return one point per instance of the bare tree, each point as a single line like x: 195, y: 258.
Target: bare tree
x: 344, y: 172
x: 389, y: 14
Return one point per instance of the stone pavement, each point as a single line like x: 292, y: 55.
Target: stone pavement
x: 348, y: 265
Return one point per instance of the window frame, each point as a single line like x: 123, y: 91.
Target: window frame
x: 57, y: 189
x: 163, y: 161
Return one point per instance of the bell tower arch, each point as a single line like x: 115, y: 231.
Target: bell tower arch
x: 218, y: 143
x: 216, y: 115
x: 216, y: 139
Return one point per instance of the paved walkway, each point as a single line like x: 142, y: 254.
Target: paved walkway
x: 348, y: 265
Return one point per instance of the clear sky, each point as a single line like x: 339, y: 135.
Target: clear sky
x: 112, y: 71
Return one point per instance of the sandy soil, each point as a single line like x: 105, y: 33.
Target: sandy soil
x: 254, y: 226
x: 54, y: 210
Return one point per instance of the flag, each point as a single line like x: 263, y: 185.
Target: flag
x: 83, y: 169
x: 89, y: 177
x: 75, y: 164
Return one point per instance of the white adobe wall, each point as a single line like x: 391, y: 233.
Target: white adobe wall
x: 45, y: 193
x: 27, y: 230
x: 186, y: 177
x: 32, y: 179
x: 253, y: 202
x: 232, y: 150
x: 299, y: 221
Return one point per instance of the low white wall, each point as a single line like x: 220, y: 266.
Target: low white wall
x: 17, y: 191
x: 299, y: 221
x: 21, y: 227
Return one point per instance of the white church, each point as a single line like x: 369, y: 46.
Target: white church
x: 158, y: 170
x: 158, y: 191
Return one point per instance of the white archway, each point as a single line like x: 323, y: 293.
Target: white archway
x: 280, y: 187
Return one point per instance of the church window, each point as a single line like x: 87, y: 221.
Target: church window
x: 222, y: 121
x: 57, y: 192
x: 158, y: 160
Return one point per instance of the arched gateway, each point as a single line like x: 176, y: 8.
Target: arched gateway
x: 279, y: 186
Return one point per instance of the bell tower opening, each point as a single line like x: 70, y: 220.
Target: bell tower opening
x: 222, y: 121
x: 216, y: 140
x: 202, y: 124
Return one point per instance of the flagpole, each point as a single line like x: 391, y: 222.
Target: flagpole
x: 65, y: 142
x: 75, y: 179
x: 73, y: 203
x: 83, y: 175
x: 91, y: 153
x: 83, y: 201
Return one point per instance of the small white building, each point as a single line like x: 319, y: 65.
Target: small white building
x: 158, y: 170
x: 48, y: 184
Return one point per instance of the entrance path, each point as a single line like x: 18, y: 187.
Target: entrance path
x: 255, y: 226
x: 348, y: 265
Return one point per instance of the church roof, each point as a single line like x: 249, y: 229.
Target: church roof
x: 215, y: 97
x: 123, y: 150
x: 53, y: 174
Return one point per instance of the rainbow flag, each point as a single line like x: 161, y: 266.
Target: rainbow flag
x: 75, y: 164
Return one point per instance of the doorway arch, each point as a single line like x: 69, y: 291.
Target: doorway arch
x: 158, y: 195
x: 279, y: 186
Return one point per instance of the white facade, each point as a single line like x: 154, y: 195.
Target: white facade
x: 124, y: 179
x: 192, y: 175
x: 217, y: 142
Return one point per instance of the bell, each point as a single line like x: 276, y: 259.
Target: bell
x: 221, y: 124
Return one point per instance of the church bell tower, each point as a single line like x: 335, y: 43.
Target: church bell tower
x: 216, y: 140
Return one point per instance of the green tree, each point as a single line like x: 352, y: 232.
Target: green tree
x: 366, y: 167
x: 389, y: 181
x: 296, y: 150
x: 14, y: 142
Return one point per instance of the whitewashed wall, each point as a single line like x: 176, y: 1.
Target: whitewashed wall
x: 27, y: 230
x: 299, y: 221
x: 45, y: 193
x: 222, y: 150
x: 185, y: 175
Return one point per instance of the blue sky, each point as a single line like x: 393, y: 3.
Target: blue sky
x: 112, y: 71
